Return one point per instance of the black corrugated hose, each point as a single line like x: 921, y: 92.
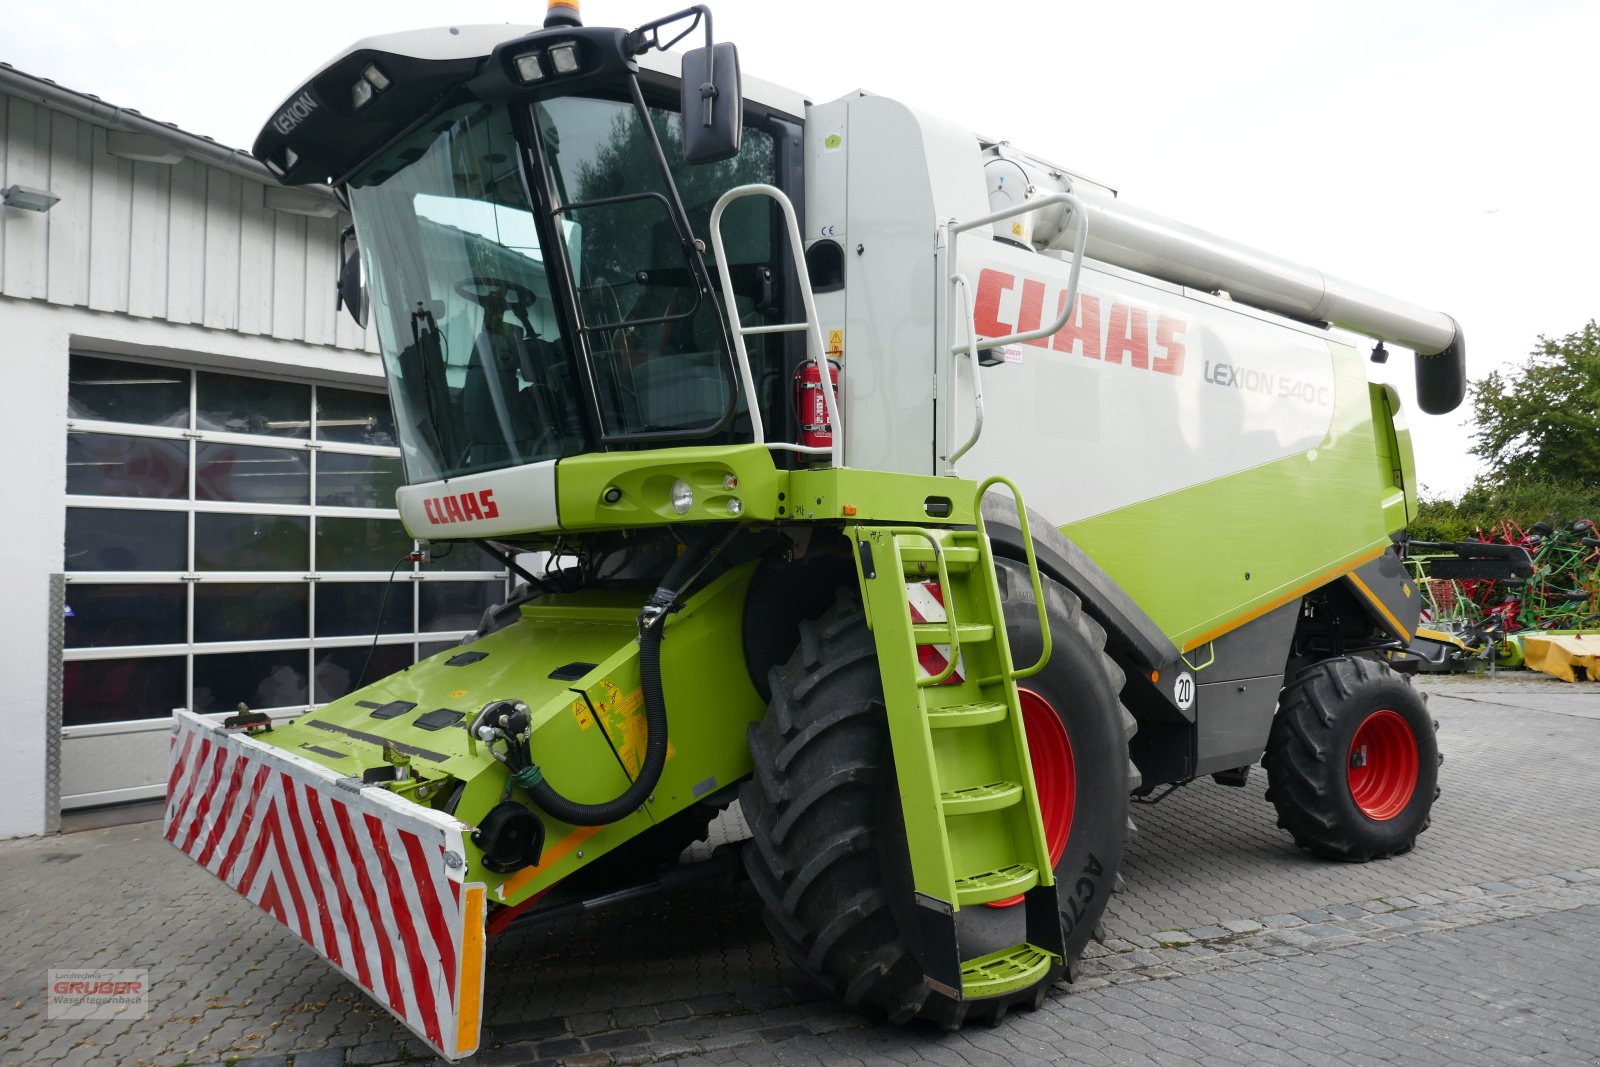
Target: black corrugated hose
x: 651, y: 620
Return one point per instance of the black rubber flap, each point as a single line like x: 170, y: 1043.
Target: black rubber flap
x: 438, y: 719
x: 571, y: 672
x: 393, y: 709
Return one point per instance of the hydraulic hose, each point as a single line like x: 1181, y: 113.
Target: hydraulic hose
x: 651, y: 620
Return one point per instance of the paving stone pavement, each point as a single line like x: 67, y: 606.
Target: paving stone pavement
x: 1219, y: 909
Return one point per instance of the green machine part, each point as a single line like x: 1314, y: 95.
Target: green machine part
x: 573, y: 659
x: 972, y: 816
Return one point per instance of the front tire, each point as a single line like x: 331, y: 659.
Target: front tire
x: 828, y: 854
x: 1352, y: 761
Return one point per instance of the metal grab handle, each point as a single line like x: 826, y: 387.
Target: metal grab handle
x: 949, y: 608
x: 1080, y: 221
x: 959, y: 281
x: 835, y: 451
x: 971, y: 345
x: 1033, y: 570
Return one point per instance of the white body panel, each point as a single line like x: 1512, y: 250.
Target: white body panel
x: 906, y: 174
x: 491, y: 504
x: 1144, y: 379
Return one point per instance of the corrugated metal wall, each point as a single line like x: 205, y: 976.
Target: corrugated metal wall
x: 187, y: 243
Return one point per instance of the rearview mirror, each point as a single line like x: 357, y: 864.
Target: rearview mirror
x: 351, y: 285
x: 712, y: 104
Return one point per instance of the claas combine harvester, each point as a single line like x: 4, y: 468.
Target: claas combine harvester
x: 765, y: 381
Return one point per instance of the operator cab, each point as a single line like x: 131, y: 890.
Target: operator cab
x: 532, y: 215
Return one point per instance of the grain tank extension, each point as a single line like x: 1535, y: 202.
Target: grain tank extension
x: 763, y: 385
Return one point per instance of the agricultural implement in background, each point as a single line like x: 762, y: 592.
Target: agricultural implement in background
x: 718, y: 351
x: 1482, y: 598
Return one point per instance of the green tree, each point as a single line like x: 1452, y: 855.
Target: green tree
x: 1541, y: 422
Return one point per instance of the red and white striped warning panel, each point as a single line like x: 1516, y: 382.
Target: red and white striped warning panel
x: 926, y: 600
x: 372, y: 882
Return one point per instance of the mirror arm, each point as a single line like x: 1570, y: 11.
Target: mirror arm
x: 648, y: 36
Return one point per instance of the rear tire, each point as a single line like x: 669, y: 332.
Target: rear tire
x: 1352, y: 761
x: 828, y: 854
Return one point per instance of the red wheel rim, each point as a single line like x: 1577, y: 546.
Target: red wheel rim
x: 1382, y: 765
x: 1055, y: 775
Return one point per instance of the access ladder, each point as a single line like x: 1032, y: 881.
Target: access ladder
x: 967, y: 789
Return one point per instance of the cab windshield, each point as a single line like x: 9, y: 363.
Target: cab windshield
x: 517, y: 331
x: 660, y: 355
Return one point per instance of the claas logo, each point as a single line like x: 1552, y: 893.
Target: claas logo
x: 462, y: 507
x: 1120, y: 333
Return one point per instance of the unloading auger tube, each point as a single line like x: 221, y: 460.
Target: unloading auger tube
x: 1143, y: 241
x: 507, y: 721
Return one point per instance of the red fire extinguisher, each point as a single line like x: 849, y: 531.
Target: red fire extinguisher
x: 811, y: 406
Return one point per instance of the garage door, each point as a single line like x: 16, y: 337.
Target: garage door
x: 230, y: 540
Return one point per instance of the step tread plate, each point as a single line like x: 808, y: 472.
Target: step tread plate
x: 981, y: 798
x: 1005, y: 971
x: 977, y: 713
x: 996, y: 885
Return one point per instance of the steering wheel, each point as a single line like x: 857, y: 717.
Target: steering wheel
x: 512, y: 296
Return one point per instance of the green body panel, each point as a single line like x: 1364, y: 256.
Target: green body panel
x: 1290, y: 526
x: 642, y: 483
x: 588, y: 733
x: 878, y: 496
x: 645, y: 480
x: 1396, y: 469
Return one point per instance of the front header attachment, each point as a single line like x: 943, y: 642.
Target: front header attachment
x: 374, y: 884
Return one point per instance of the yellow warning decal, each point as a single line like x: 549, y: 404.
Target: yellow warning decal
x: 580, y: 711
x: 628, y: 728
x: 835, y: 342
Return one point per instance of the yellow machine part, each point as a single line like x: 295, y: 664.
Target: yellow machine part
x: 1570, y: 657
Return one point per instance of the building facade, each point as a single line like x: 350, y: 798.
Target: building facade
x: 204, y: 461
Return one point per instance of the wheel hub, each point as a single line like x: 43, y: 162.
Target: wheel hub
x: 1382, y: 765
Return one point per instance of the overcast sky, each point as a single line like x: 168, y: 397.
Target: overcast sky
x: 1442, y: 151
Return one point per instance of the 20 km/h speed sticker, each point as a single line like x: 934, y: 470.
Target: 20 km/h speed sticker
x: 1183, y: 691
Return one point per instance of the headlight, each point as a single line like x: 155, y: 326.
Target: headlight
x: 682, y: 497
x: 528, y: 68
x: 564, y: 57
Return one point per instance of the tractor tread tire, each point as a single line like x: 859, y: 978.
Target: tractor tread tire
x: 1318, y: 714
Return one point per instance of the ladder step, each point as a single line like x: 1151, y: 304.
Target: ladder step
x: 978, y: 798
x: 996, y: 885
x: 1004, y: 971
x: 937, y: 633
x: 956, y: 715
x: 917, y: 551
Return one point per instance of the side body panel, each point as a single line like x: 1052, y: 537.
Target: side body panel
x: 1216, y: 463
x: 903, y: 175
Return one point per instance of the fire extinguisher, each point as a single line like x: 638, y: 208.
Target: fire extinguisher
x: 811, y: 406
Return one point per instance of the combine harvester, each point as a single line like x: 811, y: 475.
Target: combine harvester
x: 721, y: 352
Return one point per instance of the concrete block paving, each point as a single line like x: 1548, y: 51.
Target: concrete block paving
x: 1225, y: 945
